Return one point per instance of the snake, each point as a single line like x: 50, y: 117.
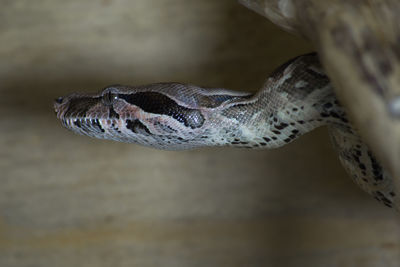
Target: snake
x: 296, y: 98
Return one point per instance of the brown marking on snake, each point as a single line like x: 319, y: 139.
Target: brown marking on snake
x: 137, y: 126
x: 157, y: 103
x: 78, y: 107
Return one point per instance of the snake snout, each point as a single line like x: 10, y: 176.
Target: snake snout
x: 59, y: 100
x: 57, y: 104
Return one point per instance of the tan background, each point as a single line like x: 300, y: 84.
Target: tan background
x: 68, y: 200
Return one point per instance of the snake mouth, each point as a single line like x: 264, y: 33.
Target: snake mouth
x: 90, y: 116
x: 86, y: 126
x: 73, y: 112
x: 58, y: 106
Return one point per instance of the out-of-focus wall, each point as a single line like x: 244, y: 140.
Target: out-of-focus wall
x: 68, y: 200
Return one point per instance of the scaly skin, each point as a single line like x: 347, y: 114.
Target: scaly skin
x: 295, y: 99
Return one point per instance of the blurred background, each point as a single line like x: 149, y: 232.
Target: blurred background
x: 68, y: 200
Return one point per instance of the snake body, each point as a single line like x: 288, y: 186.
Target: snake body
x: 295, y: 99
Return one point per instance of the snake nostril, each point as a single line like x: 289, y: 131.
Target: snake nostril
x: 58, y: 100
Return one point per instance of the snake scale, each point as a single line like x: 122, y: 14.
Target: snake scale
x: 296, y: 98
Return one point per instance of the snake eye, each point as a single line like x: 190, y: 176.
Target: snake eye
x: 108, y: 98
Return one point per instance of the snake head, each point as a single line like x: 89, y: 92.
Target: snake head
x: 164, y: 115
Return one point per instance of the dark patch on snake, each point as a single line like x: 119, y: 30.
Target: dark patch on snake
x: 96, y: 123
x: 376, y: 168
x: 281, y: 126
x: 112, y: 114
x: 137, y: 126
x: 59, y: 100
x: 381, y: 197
x: 164, y: 127
x: 77, y: 123
x: 78, y: 107
x: 158, y: 103
x: 317, y: 76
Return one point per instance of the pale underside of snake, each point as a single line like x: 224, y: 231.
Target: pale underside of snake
x: 295, y: 99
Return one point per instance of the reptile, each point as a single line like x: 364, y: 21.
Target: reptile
x: 295, y: 99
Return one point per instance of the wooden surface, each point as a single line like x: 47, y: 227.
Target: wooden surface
x: 68, y: 200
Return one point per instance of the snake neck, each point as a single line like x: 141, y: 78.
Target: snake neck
x: 296, y: 99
